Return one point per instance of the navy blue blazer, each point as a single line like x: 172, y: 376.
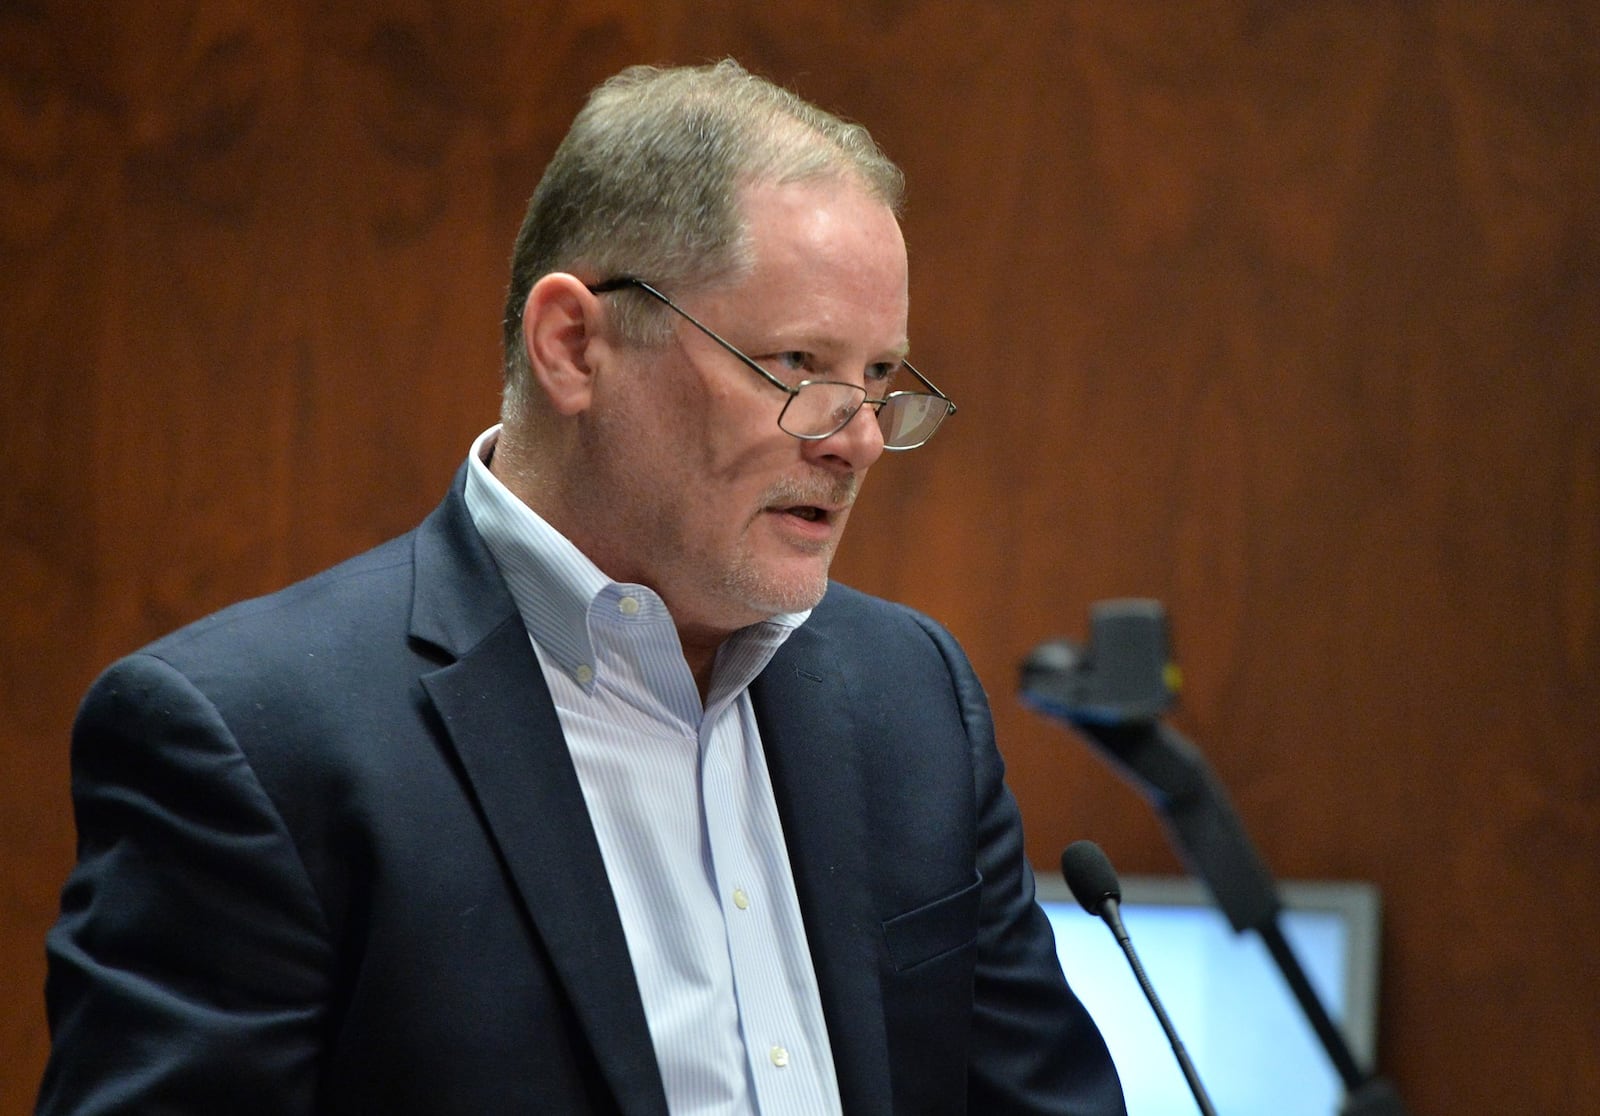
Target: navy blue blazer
x: 333, y: 858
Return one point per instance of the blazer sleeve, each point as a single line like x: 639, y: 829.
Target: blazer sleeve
x: 187, y: 971
x: 1033, y: 1047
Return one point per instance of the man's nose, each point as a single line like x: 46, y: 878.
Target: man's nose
x: 856, y: 445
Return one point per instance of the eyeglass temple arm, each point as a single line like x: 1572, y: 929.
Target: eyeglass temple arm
x: 929, y: 384
x: 623, y: 282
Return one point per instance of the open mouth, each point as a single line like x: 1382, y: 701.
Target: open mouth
x: 821, y: 504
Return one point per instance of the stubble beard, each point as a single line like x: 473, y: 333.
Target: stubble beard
x: 769, y: 592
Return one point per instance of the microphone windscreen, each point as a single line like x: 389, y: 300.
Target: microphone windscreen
x: 1089, y: 874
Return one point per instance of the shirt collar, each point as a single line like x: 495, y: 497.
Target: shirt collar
x: 551, y: 580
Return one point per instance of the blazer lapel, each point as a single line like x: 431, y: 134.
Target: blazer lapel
x: 801, y: 702
x: 499, y: 718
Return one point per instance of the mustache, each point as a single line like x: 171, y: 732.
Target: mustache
x: 823, y: 490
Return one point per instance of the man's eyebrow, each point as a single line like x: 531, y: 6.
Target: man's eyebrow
x: 895, y: 354
x: 830, y: 345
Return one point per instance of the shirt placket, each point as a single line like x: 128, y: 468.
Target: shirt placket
x: 782, y: 1069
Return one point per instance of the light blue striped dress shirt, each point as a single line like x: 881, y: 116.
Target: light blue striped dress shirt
x: 683, y: 809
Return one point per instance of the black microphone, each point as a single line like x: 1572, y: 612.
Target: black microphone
x: 1094, y: 885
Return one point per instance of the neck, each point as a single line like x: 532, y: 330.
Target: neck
x: 513, y: 465
x: 702, y: 660
x: 519, y: 466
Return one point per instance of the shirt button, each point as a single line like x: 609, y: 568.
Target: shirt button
x: 584, y: 674
x: 740, y: 899
x: 779, y: 1056
x: 629, y: 606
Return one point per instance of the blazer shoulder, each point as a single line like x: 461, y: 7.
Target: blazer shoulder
x: 868, y: 625
x: 843, y: 605
x: 372, y: 585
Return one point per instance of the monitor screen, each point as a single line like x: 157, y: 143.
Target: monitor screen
x: 1245, y: 1032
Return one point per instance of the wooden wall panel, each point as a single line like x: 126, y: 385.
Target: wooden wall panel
x: 1285, y: 314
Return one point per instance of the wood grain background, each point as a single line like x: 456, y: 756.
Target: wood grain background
x: 1285, y: 313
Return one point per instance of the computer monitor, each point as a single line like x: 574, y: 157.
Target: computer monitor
x: 1247, y: 1035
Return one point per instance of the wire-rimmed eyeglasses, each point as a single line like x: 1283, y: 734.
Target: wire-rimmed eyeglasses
x: 818, y: 409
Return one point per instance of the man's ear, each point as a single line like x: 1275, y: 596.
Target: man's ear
x: 560, y: 323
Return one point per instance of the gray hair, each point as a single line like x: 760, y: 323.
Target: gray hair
x: 647, y: 184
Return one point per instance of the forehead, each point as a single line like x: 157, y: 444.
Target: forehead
x: 819, y: 220
x: 825, y: 247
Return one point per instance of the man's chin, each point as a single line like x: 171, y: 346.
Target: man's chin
x: 771, y: 593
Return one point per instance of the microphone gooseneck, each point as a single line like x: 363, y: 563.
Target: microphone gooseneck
x: 1094, y: 885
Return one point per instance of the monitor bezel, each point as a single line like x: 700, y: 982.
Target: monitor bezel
x: 1356, y: 903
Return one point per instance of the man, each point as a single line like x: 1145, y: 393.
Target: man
x: 592, y: 794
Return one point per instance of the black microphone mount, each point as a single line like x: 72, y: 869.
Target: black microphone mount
x: 1115, y: 693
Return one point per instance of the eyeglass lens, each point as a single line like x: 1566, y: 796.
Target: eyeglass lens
x: 907, y: 419
x: 910, y: 418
